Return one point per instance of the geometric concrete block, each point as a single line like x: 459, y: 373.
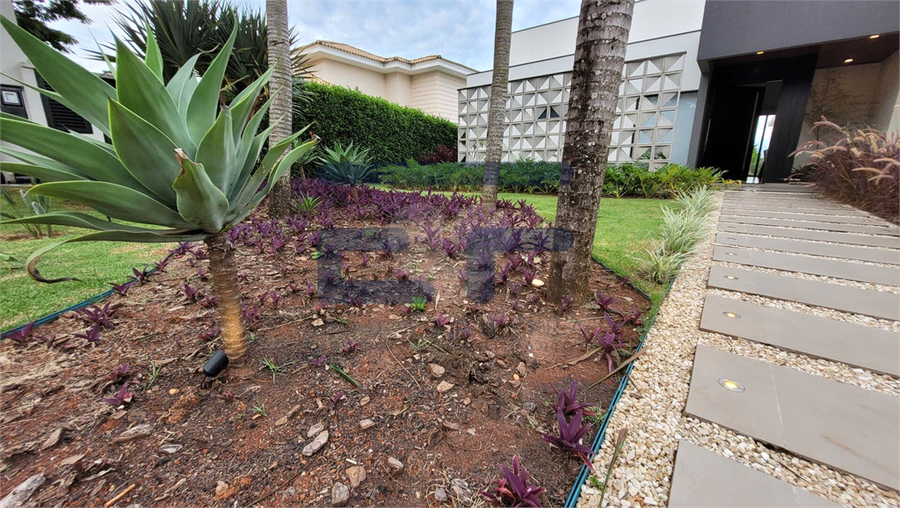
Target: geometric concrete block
x: 706, y: 479
x: 878, y: 304
x: 886, y: 256
x: 856, y: 345
x: 811, y: 265
x: 843, y: 426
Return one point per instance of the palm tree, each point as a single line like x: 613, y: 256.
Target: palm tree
x: 179, y: 165
x: 499, y: 93
x: 281, y: 84
x: 599, y: 56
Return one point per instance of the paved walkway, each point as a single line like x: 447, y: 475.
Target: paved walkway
x: 801, y: 274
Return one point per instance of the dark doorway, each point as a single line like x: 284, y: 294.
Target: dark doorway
x: 739, y: 95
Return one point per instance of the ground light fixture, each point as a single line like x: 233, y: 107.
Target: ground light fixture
x: 760, y: 52
x: 731, y: 315
x: 730, y: 385
x: 730, y: 254
x: 849, y: 60
x: 875, y: 36
x: 215, y: 364
x: 731, y: 277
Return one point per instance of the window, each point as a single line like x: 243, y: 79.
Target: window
x: 59, y: 116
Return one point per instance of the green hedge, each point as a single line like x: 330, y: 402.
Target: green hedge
x: 626, y: 180
x: 392, y: 133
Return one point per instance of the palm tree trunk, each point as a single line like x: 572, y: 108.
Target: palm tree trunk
x: 279, y: 55
x: 499, y: 94
x: 224, y: 273
x: 599, y: 57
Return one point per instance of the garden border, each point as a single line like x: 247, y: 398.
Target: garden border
x: 584, y: 472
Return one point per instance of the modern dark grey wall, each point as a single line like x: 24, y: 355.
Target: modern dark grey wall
x: 738, y: 27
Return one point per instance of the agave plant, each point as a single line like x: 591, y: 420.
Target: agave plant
x: 348, y: 165
x: 179, y: 165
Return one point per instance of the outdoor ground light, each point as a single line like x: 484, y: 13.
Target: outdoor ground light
x: 730, y: 254
x: 874, y: 36
x: 731, y: 315
x: 730, y: 385
x: 216, y: 364
x: 731, y: 277
x: 849, y: 60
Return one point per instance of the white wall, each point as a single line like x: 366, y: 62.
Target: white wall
x: 659, y: 27
x: 397, y: 88
x: 339, y: 73
x: 886, y: 111
x: 435, y: 94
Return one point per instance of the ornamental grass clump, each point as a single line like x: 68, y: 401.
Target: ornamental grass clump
x: 181, y: 165
x: 860, y: 167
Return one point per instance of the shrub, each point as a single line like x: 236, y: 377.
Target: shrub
x: 348, y: 165
x: 859, y: 168
x: 440, y: 153
x: 538, y: 177
x: 393, y: 133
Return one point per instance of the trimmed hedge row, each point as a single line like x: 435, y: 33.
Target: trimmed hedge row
x: 392, y: 133
x: 535, y: 177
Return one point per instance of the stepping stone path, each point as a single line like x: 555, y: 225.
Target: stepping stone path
x: 842, y: 426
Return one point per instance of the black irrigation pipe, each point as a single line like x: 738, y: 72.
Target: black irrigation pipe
x: 584, y: 472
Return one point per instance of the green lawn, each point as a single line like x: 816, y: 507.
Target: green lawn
x: 94, y: 263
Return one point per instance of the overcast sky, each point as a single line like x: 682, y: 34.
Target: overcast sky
x: 458, y: 30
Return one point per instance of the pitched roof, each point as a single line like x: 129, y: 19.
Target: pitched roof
x: 353, y: 50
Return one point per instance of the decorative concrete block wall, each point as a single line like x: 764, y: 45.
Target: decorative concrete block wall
x: 537, y: 109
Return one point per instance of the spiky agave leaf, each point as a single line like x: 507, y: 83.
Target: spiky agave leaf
x: 179, y: 165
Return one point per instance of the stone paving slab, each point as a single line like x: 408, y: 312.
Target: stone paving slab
x: 878, y: 304
x: 788, y: 206
x: 813, y: 217
x: 840, y: 425
x: 856, y: 345
x: 885, y: 256
x: 821, y: 226
x: 811, y: 265
x: 706, y: 479
x: 774, y: 187
x: 806, y: 234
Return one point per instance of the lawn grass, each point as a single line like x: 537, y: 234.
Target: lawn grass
x: 23, y: 299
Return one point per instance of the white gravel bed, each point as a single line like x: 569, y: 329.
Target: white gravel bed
x: 652, y: 406
x: 809, y: 276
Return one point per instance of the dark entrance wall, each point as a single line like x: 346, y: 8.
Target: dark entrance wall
x: 743, y: 27
x: 735, y: 97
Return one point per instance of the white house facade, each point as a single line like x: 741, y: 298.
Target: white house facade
x: 705, y: 83
x: 428, y: 83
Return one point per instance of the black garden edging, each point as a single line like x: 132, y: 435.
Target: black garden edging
x: 584, y: 472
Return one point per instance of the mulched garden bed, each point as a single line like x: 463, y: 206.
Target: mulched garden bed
x: 450, y: 392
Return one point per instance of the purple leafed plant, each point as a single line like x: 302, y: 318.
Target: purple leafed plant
x: 185, y: 247
x: 432, y: 239
x: 191, y: 293
x: 364, y: 260
x: 250, y: 314
x: 442, y: 320
x: 590, y: 334
x: 570, y: 435
x: 450, y: 248
x: 351, y: 346
x: 121, y: 371
x: 318, y: 361
x: 614, y: 325
x: 634, y: 317
x: 121, y: 397
x: 95, y: 315
x: 121, y: 289
x: 604, y: 301
x: 161, y: 265
x: 466, y: 332
x: 209, y: 301
x: 565, y: 303
x: 610, y: 346
x: 20, y: 335
x: 529, y: 272
x: 140, y: 276
x: 275, y: 297
x: 567, y: 400
x: 513, y: 489
x: 401, y: 274
x: 335, y: 399
x: 92, y: 335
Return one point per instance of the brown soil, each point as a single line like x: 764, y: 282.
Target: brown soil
x: 490, y: 414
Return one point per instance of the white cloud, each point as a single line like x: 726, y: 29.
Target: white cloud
x: 462, y: 31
